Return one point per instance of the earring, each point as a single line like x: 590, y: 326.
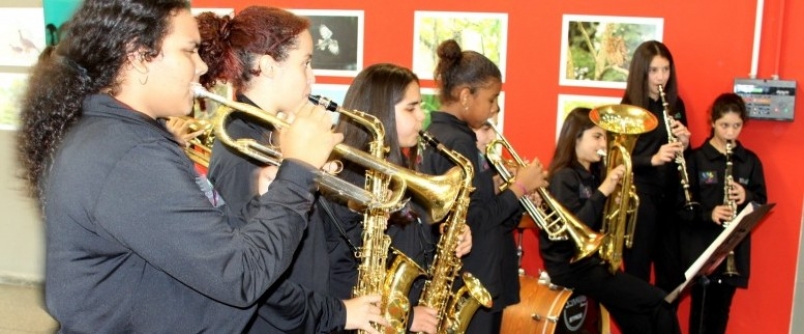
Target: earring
x: 143, y: 82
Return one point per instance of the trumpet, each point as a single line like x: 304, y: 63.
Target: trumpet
x: 199, y: 149
x: 272, y: 156
x: 680, y: 161
x: 552, y: 218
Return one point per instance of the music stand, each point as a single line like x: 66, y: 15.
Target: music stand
x: 731, y: 236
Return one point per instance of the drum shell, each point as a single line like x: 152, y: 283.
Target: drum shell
x: 549, y: 309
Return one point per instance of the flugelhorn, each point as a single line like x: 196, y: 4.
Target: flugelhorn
x: 623, y: 124
x: 680, y: 161
x: 551, y: 216
x: 272, y: 156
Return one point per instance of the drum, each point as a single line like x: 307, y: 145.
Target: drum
x: 549, y: 309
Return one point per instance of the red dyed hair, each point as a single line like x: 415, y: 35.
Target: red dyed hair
x: 229, y: 46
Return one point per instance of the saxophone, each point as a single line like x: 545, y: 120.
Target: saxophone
x: 680, y: 161
x: 731, y: 266
x: 374, y: 276
x: 454, y: 310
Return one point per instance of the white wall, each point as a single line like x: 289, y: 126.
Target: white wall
x: 22, y: 240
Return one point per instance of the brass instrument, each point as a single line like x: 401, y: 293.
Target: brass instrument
x: 680, y: 161
x: 731, y: 265
x: 272, y: 156
x: 454, y: 310
x: 551, y: 216
x: 392, y: 283
x: 199, y: 149
x: 437, y: 193
x: 623, y: 124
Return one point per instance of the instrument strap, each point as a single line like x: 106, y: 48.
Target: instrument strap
x: 337, y: 222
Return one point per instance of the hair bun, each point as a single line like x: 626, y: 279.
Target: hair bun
x: 225, y: 28
x: 449, y: 51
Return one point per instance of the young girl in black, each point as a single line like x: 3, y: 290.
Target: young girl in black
x: 469, y: 86
x: 655, y: 173
x: 575, y: 182
x: 709, y: 312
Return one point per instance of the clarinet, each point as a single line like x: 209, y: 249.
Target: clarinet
x: 731, y: 266
x: 680, y: 161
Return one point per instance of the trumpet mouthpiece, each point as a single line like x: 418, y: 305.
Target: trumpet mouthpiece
x: 197, y: 89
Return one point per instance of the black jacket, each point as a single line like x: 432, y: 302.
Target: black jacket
x: 138, y: 241
x: 489, y: 215
x: 707, y: 167
x: 300, y: 303
x: 576, y: 189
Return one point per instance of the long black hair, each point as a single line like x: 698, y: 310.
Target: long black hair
x: 637, y: 90
x: 574, y: 126
x: 96, y: 43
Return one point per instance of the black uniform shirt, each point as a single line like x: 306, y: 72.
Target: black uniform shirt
x: 135, y: 242
x: 575, y: 188
x: 300, y: 303
x: 707, y: 168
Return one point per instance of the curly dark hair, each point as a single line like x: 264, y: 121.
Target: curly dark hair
x: 95, y: 45
x: 229, y: 45
x: 457, y: 68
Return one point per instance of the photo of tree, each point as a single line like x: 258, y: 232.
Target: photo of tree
x: 486, y: 33
x: 596, y: 51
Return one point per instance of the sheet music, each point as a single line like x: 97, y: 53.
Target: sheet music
x: 725, y: 242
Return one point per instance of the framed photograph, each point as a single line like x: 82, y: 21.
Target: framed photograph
x: 568, y: 102
x: 596, y: 51
x: 431, y: 103
x: 22, y: 35
x: 12, y: 88
x: 336, y: 93
x: 486, y: 33
x: 218, y: 11
x: 337, y: 41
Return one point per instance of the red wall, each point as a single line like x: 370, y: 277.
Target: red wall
x: 711, y: 42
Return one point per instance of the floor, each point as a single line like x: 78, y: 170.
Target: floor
x: 22, y: 310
